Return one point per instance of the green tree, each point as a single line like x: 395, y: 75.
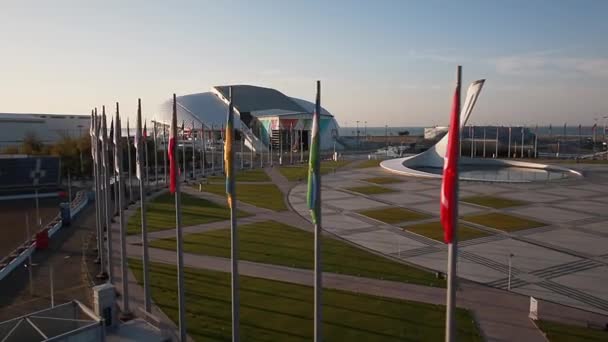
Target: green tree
x: 31, y: 144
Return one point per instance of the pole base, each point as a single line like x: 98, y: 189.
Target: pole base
x: 102, y: 276
x: 126, y: 316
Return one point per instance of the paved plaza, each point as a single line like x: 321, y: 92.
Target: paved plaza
x: 565, y: 260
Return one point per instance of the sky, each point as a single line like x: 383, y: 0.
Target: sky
x: 384, y: 62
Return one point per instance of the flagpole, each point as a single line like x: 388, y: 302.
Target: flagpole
x: 315, y: 197
x: 522, y: 142
x: 509, y: 148
x: 193, y: 133
x: 154, y: 131
x: 496, y: 153
x: 108, y: 213
x: 98, y: 193
x: 450, y: 324
x: 484, y: 141
x: 165, y: 154
x: 142, y: 204
x: 178, y: 225
x: 129, y: 161
x: 126, y: 313
x: 184, y: 165
x: 231, y: 192
x: 146, y: 155
x: 203, y: 149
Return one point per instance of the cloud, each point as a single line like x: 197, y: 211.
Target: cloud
x: 537, y: 64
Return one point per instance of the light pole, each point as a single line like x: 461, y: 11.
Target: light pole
x: 511, y: 255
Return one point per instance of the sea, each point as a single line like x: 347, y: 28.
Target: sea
x: 416, y: 130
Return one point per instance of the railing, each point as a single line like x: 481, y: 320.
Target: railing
x: 21, y: 253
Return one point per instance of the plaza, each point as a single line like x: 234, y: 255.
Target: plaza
x: 563, y: 260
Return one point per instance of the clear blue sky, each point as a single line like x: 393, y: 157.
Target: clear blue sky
x: 381, y: 61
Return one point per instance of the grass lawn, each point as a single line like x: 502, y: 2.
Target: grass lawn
x: 369, y: 163
x: 504, y: 222
x: 277, y: 311
x: 384, y: 180
x: 260, y: 195
x: 161, y: 213
x: 255, y: 175
x: 300, y: 172
x: 393, y: 215
x: 434, y: 230
x: 557, y: 332
x: 371, y: 190
x: 275, y: 243
x: 492, y: 201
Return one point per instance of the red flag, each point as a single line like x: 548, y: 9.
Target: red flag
x: 172, y: 148
x: 450, y: 172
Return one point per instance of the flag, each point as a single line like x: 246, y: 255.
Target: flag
x: 313, y: 161
x: 103, y: 135
x: 92, y: 131
x: 112, y: 130
x: 117, y: 137
x: 145, y: 134
x: 228, y: 155
x: 450, y: 172
x: 172, y: 148
x: 138, y: 141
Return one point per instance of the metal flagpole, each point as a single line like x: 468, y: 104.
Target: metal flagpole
x: 536, y: 141
x: 146, y: 154
x: 291, y: 144
x: 178, y: 226
x: 125, y: 313
x: 193, y: 152
x: 315, y: 164
x: 94, y: 131
x: 280, y: 144
x: 155, y: 132
x: 484, y: 141
x: 496, y: 153
x: 222, y: 147
x: 129, y: 161
x: 212, y: 134
x: 28, y: 240
x: 522, y: 141
x: 231, y: 194
x: 165, y: 153
x: 472, y: 131
x: 450, y: 326
x: 301, y: 146
x: 184, y: 164
x: 107, y: 197
x: 203, y: 150
x: 509, y: 149
x: 270, y: 156
x: 242, y: 149
x: 251, y: 152
x: 142, y: 202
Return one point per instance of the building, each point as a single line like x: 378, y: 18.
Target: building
x: 264, y: 116
x: 48, y: 128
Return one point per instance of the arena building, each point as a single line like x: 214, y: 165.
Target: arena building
x: 265, y: 116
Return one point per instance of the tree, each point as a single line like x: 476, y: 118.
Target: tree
x: 31, y: 145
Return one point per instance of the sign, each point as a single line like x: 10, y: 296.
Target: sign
x: 533, y: 309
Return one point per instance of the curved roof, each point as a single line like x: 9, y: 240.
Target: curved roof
x: 251, y: 99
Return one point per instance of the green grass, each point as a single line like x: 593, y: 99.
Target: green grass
x: 368, y: 163
x: 434, y: 230
x: 278, y: 311
x: 260, y: 195
x: 300, y: 172
x: 384, y: 180
x: 557, y: 332
x: 275, y: 243
x: 161, y: 213
x: 393, y: 215
x: 371, y: 190
x: 492, y: 201
x: 255, y: 175
x: 504, y: 222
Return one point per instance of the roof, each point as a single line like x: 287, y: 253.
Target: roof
x: 254, y: 99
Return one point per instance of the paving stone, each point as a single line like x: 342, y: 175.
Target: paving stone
x: 466, y: 268
x: 585, y: 206
x: 536, y: 291
x: 343, y: 222
x: 533, y: 197
x: 553, y: 215
x: 574, y: 240
x: 600, y: 227
x: 385, y: 241
x: 403, y: 198
x: 433, y: 208
x: 571, y: 192
x: 355, y: 203
x: 527, y: 257
x: 592, y: 281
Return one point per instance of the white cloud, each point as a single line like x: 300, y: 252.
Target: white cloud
x: 546, y: 64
